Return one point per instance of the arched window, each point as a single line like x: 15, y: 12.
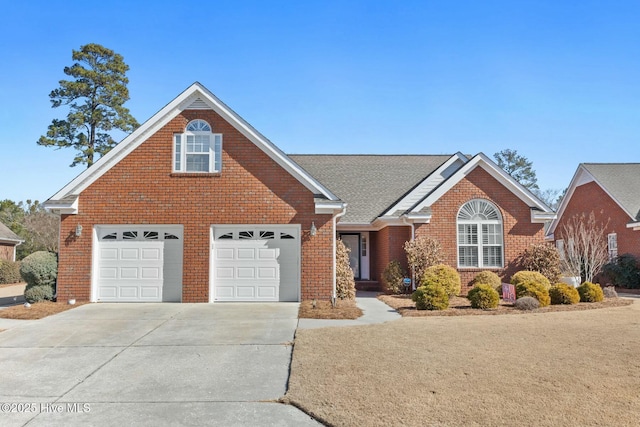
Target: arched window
x: 480, y: 235
x: 197, y: 149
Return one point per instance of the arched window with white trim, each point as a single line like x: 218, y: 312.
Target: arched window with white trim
x: 197, y: 149
x: 480, y: 242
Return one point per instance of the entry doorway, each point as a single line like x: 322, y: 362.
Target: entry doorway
x: 357, y: 243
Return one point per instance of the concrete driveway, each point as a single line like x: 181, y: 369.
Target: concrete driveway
x: 150, y: 364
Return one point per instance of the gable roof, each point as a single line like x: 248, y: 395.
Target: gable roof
x: 195, y: 96
x: 6, y: 235
x: 621, y: 181
x: 370, y: 184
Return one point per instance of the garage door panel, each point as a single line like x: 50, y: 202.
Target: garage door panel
x: 247, y: 292
x: 267, y: 273
x: 246, y: 254
x: 267, y: 292
x: 128, y: 272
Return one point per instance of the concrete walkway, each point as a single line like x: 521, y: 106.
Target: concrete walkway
x: 374, y: 311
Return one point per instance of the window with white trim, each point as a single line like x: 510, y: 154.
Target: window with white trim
x: 560, y: 248
x: 197, y: 149
x: 480, y: 242
x: 612, y: 246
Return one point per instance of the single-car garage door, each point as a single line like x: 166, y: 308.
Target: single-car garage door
x: 256, y: 263
x: 138, y: 264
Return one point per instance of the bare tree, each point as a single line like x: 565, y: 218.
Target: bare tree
x: 585, y: 250
x: 42, y: 228
x: 422, y: 253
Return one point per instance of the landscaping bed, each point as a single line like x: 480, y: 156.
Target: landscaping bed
x: 37, y: 310
x: 345, y: 309
x: 460, y: 306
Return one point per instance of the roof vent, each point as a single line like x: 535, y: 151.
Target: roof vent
x: 198, y: 104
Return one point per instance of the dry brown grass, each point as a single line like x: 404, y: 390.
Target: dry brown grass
x: 345, y: 309
x: 460, y: 306
x: 6, y: 285
x: 572, y: 368
x: 37, y: 310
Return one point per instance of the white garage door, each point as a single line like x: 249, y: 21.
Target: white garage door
x: 256, y: 263
x: 138, y: 264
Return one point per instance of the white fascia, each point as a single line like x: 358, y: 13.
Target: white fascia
x: 635, y: 226
x: 63, y: 207
x: 538, y: 217
x: 329, y: 207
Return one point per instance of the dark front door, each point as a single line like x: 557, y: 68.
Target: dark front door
x: 352, y: 241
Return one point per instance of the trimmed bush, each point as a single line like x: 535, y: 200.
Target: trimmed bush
x: 9, y: 272
x: 487, y: 278
x: 345, y: 283
x: 609, y: 292
x: 431, y: 297
x: 544, y: 259
x: 392, y: 278
x: 590, y: 292
x: 443, y: 275
x: 483, y: 296
x: 535, y: 290
x: 623, y: 272
x: 38, y: 293
x: 561, y: 293
x: 526, y: 276
x: 40, y: 268
x: 527, y: 303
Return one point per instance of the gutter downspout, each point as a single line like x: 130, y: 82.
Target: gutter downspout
x: 335, y: 236
x: 413, y: 237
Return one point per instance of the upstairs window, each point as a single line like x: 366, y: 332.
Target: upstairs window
x: 197, y: 149
x: 480, y: 242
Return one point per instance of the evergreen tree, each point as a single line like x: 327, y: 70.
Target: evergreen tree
x: 96, y: 100
x: 519, y: 167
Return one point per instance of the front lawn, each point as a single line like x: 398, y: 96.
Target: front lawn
x: 569, y: 368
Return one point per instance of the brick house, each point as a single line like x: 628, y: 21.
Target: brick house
x: 197, y: 206
x: 611, y: 191
x: 8, y: 243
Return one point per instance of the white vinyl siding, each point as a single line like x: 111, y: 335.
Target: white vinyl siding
x: 480, y: 238
x: 197, y: 150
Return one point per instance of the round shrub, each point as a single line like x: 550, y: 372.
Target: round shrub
x: 483, y: 296
x: 431, y: 297
x: 543, y: 258
x: 527, y: 303
x: 487, y: 278
x: 38, y: 293
x: 535, y: 290
x: 392, y: 278
x: 561, y: 293
x: 443, y: 275
x: 528, y: 277
x: 609, y: 292
x: 590, y: 292
x: 9, y: 272
x: 40, y: 268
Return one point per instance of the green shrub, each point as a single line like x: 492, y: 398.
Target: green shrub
x: 542, y: 258
x: 561, y: 293
x: 9, y: 272
x: 527, y: 303
x: 623, y: 272
x: 487, y: 278
x: 483, y: 296
x: 392, y: 278
x: 535, y: 290
x: 609, y: 292
x: 528, y: 277
x: 40, y: 268
x: 431, y: 297
x: 590, y: 292
x: 345, y: 283
x: 444, y: 275
x: 38, y: 293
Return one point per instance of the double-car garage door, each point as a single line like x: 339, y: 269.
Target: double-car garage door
x: 248, y: 263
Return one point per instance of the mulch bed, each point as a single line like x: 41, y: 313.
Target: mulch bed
x: 37, y: 310
x: 460, y: 306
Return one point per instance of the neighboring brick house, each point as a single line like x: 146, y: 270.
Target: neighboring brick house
x: 8, y: 243
x: 197, y: 206
x: 611, y: 191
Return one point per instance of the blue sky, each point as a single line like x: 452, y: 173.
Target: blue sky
x: 558, y: 81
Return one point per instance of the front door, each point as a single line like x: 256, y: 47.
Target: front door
x: 352, y: 242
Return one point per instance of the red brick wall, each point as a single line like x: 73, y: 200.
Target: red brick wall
x: 140, y: 189
x: 388, y: 245
x: 591, y: 197
x: 518, y: 231
x: 7, y: 251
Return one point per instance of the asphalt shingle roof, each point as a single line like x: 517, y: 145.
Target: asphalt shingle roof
x: 369, y: 184
x: 622, y: 181
x: 6, y: 233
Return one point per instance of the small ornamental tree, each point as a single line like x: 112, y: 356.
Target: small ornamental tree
x: 345, y: 282
x: 422, y: 253
x: 585, y: 248
x: 544, y: 259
